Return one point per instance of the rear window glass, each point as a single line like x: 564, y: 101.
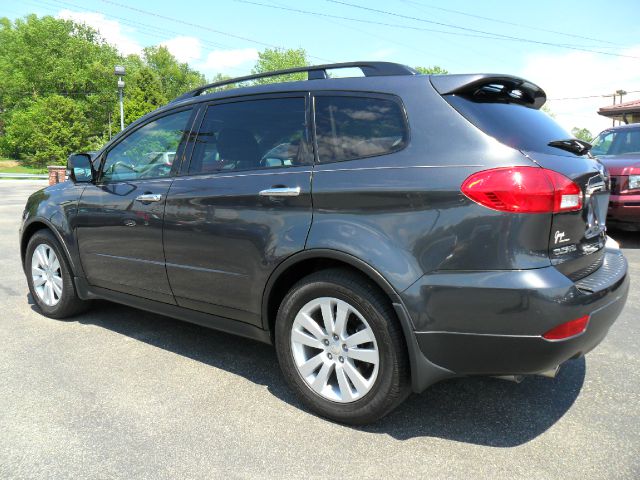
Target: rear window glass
x: 355, y: 127
x: 514, y: 125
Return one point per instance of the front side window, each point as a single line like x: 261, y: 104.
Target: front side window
x: 354, y: 127
x: 148, y: 152
x: 248, y: 135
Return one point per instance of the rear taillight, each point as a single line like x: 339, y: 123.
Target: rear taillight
x: 523, y: 190
x: 568, y: 329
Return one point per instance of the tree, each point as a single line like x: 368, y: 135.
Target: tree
x: 433, y: 70
x: 175, y: 78
x: 44, y: 56
x: 48, y: 131
x: 545, y: 108
x: 272, y: 59
x: 582, y: 134
x: 221, y: 77
x: 144, y: 94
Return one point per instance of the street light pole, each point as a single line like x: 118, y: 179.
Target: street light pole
x: 119, y: 71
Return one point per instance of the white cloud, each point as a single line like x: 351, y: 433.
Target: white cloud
x: 223, y: 60
x: 185, y: 49
x: 577, y: 74
x: 111, y: 30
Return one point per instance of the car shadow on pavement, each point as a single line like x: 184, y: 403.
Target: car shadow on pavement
x: 487, y: 411
x: 478, y: 410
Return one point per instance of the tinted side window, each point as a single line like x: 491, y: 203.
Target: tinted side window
x: 356, y: 127
x: 148, y: 152
x: 250, y: 135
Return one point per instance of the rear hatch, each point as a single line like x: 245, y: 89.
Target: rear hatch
x: 508, y: 109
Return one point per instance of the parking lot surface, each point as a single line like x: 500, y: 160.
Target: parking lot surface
x: 121, y: 393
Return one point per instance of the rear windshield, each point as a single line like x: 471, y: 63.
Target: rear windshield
x: 618, y: 142
x: 515, y: 125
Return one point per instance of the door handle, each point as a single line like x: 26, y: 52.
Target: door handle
x: 149, y: 197
x: 280, y: 192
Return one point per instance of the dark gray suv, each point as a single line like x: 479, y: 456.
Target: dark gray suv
x: 385, y: 232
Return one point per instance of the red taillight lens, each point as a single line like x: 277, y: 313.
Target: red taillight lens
x: 568, y: 329
x: 523, y: 190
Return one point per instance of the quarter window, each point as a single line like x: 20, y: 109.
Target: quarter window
x: 248, y: 135
x: 148, y: 152
x: 354, y: 127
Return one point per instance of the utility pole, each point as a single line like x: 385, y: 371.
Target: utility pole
x: 119, y: 72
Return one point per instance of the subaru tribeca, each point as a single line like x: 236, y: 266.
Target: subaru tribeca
x: 384, y: 232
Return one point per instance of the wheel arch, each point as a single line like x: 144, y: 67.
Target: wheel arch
x: 423, y: 372
x: 35, y: 225
x: 302, y: 264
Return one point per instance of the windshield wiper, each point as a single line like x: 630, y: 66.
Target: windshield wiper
x: 573, y: 145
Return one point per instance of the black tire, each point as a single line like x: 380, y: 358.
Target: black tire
x: 69, y: 303
x: 392, y: 383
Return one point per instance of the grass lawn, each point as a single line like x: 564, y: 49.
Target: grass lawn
x: 13, y: 166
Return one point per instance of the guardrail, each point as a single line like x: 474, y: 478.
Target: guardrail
x: 32, y: 176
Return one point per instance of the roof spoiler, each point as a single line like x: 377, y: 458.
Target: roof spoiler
x: 489, y: 85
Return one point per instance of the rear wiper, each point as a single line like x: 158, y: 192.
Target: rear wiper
x: 572, y: 145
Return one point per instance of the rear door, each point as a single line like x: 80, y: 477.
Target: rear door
x: 242, y: 204
x: 577, y: 238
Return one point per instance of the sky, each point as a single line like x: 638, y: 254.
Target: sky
x: 569, y: 48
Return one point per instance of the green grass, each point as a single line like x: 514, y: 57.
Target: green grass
x: 13, y: 166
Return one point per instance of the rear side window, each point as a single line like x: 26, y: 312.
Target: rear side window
x: 515, y: 125
x: 355, y: 127
x: 249, y: 135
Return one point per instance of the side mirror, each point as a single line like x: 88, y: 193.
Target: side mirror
x: 80, y: 167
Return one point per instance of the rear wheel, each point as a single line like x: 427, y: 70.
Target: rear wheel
x: 341, y: 348
x: 49, y: 277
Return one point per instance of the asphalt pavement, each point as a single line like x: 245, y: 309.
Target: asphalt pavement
x: 121, y: 393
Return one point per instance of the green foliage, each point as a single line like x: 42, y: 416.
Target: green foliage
x: 221, y: 77
x: 47, y: 131
x: 144, y: 94
x: 48, y: 59
x: 545, y: 108
x: 175, y: 78
x: 278, y: 59
x: 582, y: 134
x: 44, y: 56
x: 433, y: 70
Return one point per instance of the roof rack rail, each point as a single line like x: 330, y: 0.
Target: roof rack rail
x: 314, y: 72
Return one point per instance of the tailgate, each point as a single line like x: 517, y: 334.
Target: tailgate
x: 577, y: 238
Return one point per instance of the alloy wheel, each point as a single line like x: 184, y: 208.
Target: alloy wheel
x: 46, y: 275
x: 335, y: 350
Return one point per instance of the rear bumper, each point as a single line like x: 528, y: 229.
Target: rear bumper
x: 624, y: 209
x: 491, y: 323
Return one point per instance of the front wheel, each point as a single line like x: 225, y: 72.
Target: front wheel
x: 341, y: 348
x: 49, y: 277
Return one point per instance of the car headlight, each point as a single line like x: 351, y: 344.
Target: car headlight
x: 634, y: 182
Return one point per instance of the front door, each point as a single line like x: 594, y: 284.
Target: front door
x: 119, y: 223
x: 242, y: 205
